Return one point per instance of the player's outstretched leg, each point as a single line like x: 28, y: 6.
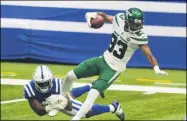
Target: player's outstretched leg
x: 78, y: 91
x: 118, y: 110
x: 85, y: 69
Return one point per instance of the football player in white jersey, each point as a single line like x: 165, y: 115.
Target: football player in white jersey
x: 127, y: 37
x: 44, y: 91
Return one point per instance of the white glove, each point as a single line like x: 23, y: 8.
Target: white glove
x: 90, y: 15
x: 53, y: 112
x: 54, y: 99
x: 60, y: 106
x: 159, y: 72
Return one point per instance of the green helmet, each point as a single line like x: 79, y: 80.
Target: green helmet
x: 134, y: 19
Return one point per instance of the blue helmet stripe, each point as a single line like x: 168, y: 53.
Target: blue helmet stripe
x: 42, y: 75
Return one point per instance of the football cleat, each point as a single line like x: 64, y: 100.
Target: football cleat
x: 118, y: 110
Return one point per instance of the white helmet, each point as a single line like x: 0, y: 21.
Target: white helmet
x: 42, y: 76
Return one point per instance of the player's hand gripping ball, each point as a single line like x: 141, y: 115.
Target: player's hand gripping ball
x: 57, y: 101
x: 97, y: 22
x: 93, y: 20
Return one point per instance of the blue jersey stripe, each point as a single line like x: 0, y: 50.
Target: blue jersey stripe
x: 42, y: 75
x: 76, y: 103
x: 78, y: 15
x: 29, y: 90
x: 58, y: 85
x: 75, y: 108
x: 26, y: 93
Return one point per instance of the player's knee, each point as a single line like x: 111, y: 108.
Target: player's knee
x: 99, y: 89
x: 71, y: 76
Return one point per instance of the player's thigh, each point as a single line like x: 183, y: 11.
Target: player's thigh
x: 87, y: 68
x: 106, y: 78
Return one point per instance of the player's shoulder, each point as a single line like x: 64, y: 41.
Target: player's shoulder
x: 139, y: 37
x: 119, y: 18
x: 57, y: 85
x: 29, y: 89
x: 57, y: 80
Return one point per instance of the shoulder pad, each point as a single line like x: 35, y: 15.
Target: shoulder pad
x: 28, y: 91
x: 118, y: 18
x: 139, y: 38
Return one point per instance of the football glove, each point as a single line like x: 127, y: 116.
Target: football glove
x: 90, y: 15
x: 53, y: 112
x: 55, y: 99
x: 60, y: 106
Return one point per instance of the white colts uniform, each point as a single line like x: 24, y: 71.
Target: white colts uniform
x: 123, y: 44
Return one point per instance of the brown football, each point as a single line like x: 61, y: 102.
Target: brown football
x: 98, y: 22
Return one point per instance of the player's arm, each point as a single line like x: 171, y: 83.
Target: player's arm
x: 38, y: 108
x: 90, y: 15
x: 146, y: 50
x: 69, y: 104
x: 107, y: 17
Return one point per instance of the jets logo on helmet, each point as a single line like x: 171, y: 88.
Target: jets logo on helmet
x: 42, y: 78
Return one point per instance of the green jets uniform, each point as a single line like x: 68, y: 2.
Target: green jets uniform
x: 114, y: 60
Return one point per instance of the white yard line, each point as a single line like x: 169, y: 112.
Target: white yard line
x: 117, y: 87
x: 13, y: 101
x: 164, y: 83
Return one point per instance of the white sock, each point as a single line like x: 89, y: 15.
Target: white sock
x: 87, y: 105
x: 68, y: 82
x: 112, y: 109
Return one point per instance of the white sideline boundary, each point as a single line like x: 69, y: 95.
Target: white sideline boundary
x: 13, y: 101
x: 116, y: 87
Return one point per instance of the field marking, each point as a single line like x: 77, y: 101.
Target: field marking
x: 114, y: 87
x: 93, y: 78
x: 163, y: 83
x: 152, y: 80
x: 8, y: 74
x: 13, y: 101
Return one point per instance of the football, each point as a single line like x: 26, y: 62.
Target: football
x: 98, y: 22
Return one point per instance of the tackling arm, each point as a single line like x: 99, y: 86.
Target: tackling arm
x: 146, y: 50
x: 38, y: 108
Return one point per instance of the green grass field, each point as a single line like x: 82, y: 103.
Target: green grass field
x: 137, y: 106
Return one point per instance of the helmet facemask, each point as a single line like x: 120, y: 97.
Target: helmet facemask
x: 43, y: 86
x: 134, y: 25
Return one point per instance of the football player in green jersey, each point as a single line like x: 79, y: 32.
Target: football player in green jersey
x: 127, y: 37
